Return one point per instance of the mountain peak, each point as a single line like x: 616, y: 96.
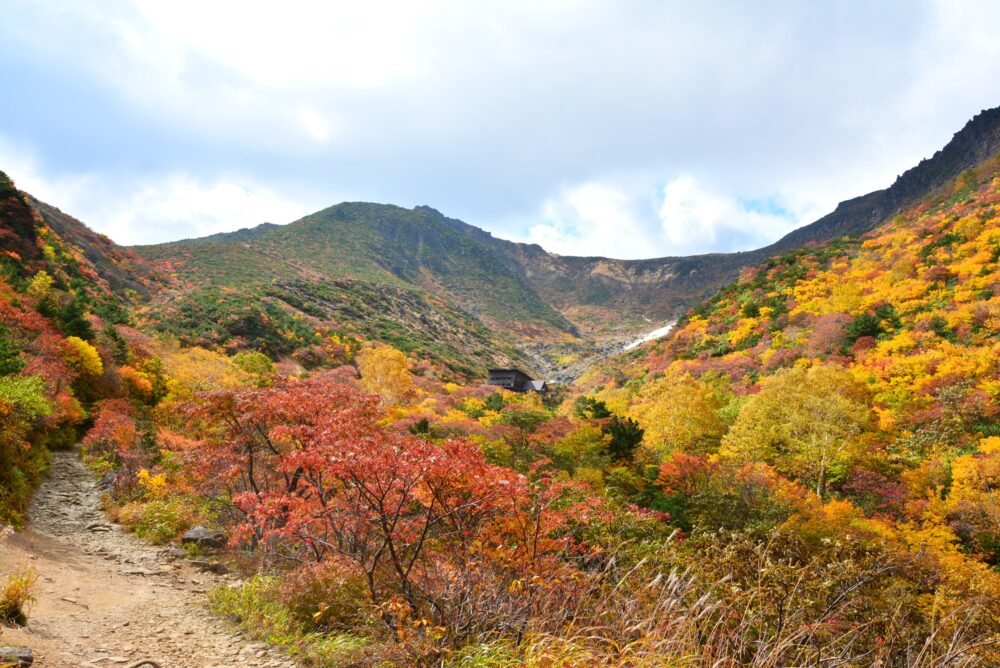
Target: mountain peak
x: 423, y: 208
x: 976, y: 142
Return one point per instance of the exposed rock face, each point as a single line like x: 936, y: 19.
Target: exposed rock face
x: 977, y: 142
x: 660, y: 289
x: 19, y: 656
x: 664, y: 288
x: 204, y: 537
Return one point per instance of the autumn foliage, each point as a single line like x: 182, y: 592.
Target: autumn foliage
x: 805, y: 471
x: 437, y: 535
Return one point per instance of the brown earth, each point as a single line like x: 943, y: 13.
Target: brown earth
x: 107, y: 599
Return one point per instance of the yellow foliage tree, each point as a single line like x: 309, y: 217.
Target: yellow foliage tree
x: 805, y: 422
x: 40, y: 285
x: 384, y: 372
x: 585, y: 447
x: 193, y: 370
x: 83, y: 357
x: 679, y: 412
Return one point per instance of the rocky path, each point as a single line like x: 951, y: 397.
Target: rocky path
x: 107, y: 599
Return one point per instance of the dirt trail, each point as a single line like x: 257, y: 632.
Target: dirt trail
x: 107, y: 599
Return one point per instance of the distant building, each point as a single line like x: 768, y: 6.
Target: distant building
x: 538, y: 386
x: 515, y: 380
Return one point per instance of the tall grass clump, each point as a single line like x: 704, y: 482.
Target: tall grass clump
x: 16, y: 596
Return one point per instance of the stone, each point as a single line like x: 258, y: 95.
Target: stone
x: 107, y: 481
x: 204, y: 537
x: 19, y: 656
x: 173, y: 553
x: 210, y: 567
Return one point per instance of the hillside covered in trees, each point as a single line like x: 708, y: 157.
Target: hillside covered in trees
x: 439, y: 287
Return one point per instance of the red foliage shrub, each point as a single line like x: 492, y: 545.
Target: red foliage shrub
x: 875, y: 493
x: 433, y: 530
x: 827, y: 334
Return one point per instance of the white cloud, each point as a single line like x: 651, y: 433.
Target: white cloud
x: 593, y: 219
x: 513, y: 112
x: 319, y: 126
x: 625, y: 217
x: 695, y: 220
x: 20, y: 164
x: 296, y: 42
x: 157, y: 208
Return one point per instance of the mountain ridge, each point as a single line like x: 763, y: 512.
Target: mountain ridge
x: 517, y: 302
x: 976, y: 142
x: 660, y: 289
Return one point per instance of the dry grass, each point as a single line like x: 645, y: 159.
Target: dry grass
x: 16, y: 596
x: 644, y: 620
x: 675, y: 628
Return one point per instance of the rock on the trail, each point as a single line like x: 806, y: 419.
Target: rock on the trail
x: 204, y: 537
x: 174, y: 553
x: 19, y: 656
x: 211, y: 567
x: 107, y: 480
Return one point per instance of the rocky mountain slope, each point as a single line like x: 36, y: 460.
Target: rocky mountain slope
x: 120, y: 268
x: 556, y: 309
x: 35, y: 236
x: 663, y: 288
x: 907, y: 317
x: 425, y: 282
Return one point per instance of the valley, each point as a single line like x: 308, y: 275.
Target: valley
x: 499, y: 335
x: 788, y: 456
x: 505, y: 303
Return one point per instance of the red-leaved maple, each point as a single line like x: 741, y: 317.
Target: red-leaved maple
x: 439, y: 535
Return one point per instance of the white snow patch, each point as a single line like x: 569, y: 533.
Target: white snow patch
x: 657, y: 333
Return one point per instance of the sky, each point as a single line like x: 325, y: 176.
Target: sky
x: 619, y: 128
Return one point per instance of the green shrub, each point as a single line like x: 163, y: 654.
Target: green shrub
x: 158, y: 521
x: 22, y: 459
x: 257, y: 607
x: 26, y: 394
x: 72, y: 319
x: 11, y: 353
x: 62, y: 438
x: 873, y: 323
x: 255, y: 363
